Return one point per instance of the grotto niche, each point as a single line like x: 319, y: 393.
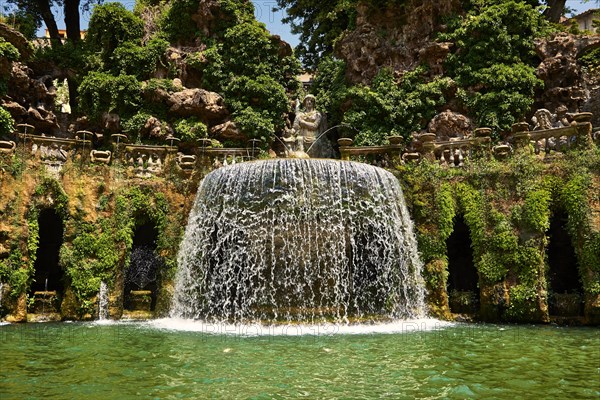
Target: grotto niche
x: 48, y: 282
x: 463, y: 291
x: 144, y: 264
x: 565, y: 288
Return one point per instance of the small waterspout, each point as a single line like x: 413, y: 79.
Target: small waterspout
x: 325, y: 132
x: 46, y: 285
x: 103, y: 302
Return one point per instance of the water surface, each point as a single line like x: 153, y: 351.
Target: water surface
x: 150, y: 360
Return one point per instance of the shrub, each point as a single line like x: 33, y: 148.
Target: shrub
x: 494, y: 58
x: 191, y: 129
x: 141, y: 61
x: 111, y: 25
x: 6, y: 123
x: 8, y: 51
x: 101, y: 92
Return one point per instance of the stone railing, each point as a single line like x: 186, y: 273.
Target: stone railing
x: 450, y: 153
x: 453, y: 153
x: 149, y: 160
x: 54, y: 152
x: 577, y: 136
x: 142, y: 160
x: 381, y: 153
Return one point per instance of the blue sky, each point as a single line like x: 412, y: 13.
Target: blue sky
x: 264, y: 13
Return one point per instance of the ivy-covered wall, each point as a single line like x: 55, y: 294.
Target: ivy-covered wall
x: 100, y: 207
x: 507, y: 207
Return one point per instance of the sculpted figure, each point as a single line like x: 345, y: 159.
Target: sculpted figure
x: 542, y: 119
x: 307, y: 124
x: 562, y: 117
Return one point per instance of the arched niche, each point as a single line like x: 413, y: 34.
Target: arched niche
x: 462, y: 285
x: 144, y: 265
x: 48, y: 282
x: 564, y: 283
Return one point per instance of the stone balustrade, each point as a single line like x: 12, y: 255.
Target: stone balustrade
x: 577, y: 136
x: 453, y: 153
x: 149, y: 160
x: 348, y: 151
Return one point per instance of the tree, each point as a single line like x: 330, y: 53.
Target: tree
x: 25, y: 23
x: 319, y: 24
x: 42, y: 10
x: 555, y: 10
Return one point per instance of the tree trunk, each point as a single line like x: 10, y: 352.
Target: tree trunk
x: 555, y: 10
x: 72, y: 20
x: 48, y: 17
x: 73, y: 94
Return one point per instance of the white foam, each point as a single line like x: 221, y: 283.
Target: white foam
x: 324, y: 329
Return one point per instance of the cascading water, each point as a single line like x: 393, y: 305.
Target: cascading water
x: 299, y: 240
x: 103, y: 302
x: 1, y: 295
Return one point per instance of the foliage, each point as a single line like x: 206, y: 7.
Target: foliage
x: 330, y: 87
x: 248, y: 70
x: 18, y: 269
x: 67, y: 56
x: 191, y: 129
x: 591, y: 60
x: 132, y: 126
x: 178, y: 25
x: 101, y: 92
x: 507, y: 207
x: 6, y: 123
x: 111, y: 25
x: 22, y: 21
x: 575, y: 198
x: 384, y: 108
x: 493, y: 60
x: 141, y: 61
x: 99, y: 251
x: 319, y: 25
x: 8, y: 51
x: 389, y: 108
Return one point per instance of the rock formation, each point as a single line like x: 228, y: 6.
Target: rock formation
x: 393, y: 37
x: 197, y: 102
x: 450, y: 125
x: 565, y: 83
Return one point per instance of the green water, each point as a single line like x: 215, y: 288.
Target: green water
x: 123, y: 361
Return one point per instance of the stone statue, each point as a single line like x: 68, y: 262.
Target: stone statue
x: 542, y: 120
x: 562, y: 117
x: 307, y: 124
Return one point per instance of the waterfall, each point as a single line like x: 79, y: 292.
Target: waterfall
x: 103, y: 302
x: 299, y: 240
x: 1, y: 294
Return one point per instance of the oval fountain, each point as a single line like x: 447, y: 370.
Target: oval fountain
x: 299, y: 241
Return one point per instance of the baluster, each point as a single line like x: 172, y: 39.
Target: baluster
x: 451, y: 160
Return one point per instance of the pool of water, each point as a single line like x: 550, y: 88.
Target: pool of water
x: 427, y: 359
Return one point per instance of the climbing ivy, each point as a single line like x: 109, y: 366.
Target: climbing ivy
x: 507, y: 208
x: 99, y: 251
